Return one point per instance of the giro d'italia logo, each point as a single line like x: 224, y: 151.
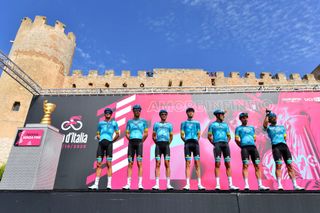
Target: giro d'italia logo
x: 73, y: 123
x: 73, y: 134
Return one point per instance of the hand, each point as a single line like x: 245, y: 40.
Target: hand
x: 268, y: 111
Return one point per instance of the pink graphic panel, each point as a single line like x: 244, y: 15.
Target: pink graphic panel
x: 29, y: 137
x: 298, y: 112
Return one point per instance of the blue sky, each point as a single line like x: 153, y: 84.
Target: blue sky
x: 215, y: 35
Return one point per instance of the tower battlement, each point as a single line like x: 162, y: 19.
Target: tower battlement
x: 41, y: 21
x: 43, y: 50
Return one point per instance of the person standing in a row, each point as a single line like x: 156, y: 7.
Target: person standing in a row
x: 162, y: 136
x: 278, y: 137
x: 219, y: 137
x: 245, y: 138
x: 105, y: 131
x: 190, y: 135
x: 136, y: 133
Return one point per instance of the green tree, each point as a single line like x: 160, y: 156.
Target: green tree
x: 3, y: 166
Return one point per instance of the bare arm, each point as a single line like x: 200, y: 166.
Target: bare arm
x: 154, y: 137
x: 116, y: 136
x: 145, y: 135
x: 210, y: 138
x: 128, y: 134
x: 171, y: 137
x: 182, y: 136
x: 237, y: 139
x: 98, y: 135
x: 265, y: 122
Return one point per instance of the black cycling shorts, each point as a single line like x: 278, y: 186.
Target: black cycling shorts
x: 105, y: 147
x: 191, y: 146
x: 221, y: 147
x: 162, y: 148
x: 280, y: 151
x: 248, y: 152
x: 135, y: 147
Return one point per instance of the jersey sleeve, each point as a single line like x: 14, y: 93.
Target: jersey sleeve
x: 170, y: 129
x: 182, y: 127
x: 284, y: 132
x: 98, y: 128
x: 116, y: 126
x: 198, y: 128
x: 155, y: 126
x: 228, y: 130
x: 128, y: 126
x: 210, y: 130
x: 145, y: 125
x: 254, y: 133
x: 237, y: 132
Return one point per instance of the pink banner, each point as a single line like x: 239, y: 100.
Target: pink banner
x: 298, y: 112
x: 29, y: 137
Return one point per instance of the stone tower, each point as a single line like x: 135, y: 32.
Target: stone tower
x: 45, y: 53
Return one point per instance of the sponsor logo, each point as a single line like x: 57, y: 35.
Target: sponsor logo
x: 74, y: 136
x: 315, y: 99
x: 293, y: 100
x: 74, y: 123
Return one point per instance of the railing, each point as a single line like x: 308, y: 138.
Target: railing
x: 183, y: 90
x: 18, y: 74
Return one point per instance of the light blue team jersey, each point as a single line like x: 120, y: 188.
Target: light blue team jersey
x: 107, y: 129
x: 276, y: 134
x: 136, y: 128
x: 190, y: 129
x: 163, y: 131
x: 220, y: 131
x: 246, y: 135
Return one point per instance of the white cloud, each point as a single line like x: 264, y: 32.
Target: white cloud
x: 285, y: 32
x: 82, y: 53
x: 123, y: 61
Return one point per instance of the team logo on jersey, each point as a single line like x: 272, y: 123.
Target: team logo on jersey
x: 247, y: 130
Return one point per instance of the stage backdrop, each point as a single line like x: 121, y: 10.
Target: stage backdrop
x: 77, y: 118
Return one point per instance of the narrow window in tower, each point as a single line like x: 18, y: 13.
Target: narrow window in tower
x: 90, y: 84
x: 180, y: 83
x: 170, y: 83
x: 213, y: 81
x: 74, y: 86
x: 261, y: 83
x: 107, y: 85
x: 124, y: 84
x: 16, y: 106
x: 142, y: 85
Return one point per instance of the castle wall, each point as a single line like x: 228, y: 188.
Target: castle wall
x: 183, y: 78
x: 160, y: 78
x: 45, y: 54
